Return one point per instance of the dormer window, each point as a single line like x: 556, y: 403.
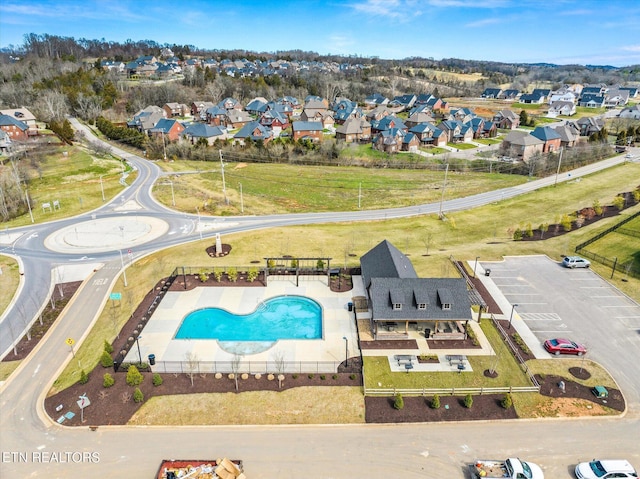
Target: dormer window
x: 446, y: 306
x: 397, y: 306
x: 422, y: 305
x: 445, y: 298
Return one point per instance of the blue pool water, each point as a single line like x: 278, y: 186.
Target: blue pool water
x: 282, y: 317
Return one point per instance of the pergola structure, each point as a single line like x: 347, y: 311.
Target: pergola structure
x: 298, y: 266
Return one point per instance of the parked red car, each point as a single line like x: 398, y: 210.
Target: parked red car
x: 564, y: 346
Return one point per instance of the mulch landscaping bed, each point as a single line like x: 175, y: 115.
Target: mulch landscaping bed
x: 61, y: 295
x: 452, y: 344
x: 550, y: 386
x: 389, y: 344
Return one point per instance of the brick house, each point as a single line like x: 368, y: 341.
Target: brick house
x: 311, y: 130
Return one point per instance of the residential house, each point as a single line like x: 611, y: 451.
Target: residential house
x: 387, y: 123
x: 633, y: 91
x: 307, y: 130
x: 389, y: 141
x: 343, y: 114
x: 589, y: 125
x: 591, y: 100
x: 632, y: 112
x: 274, y: 120
x: 195, y: 131
x: 253, y: 131
x: 569, y: 135
x: 403, y: 101
x: 564, y: 108
x: 506, y: 120
x: 596, y: 89
x: 375, y: 99
x: 230, y: 104
x: 550, y: 137
x: 429, y: 134
x: 237, y: 119
x: 616, y: 97
x: 456, y: 131
x: 216, y: 116
x: 509, y: 94
x: 419, y: 117
x: 198, y: 108
x: 400, y: 301
x: 492, y: 93
x: 489, y: 129
x: 562, y: 95
x: 410, y: 143
x: 111, y: 65
x: 461, y: 114
x: 520, y: 144
x: 312, y: 107
x: 257, y: 106
x: 175, y: 109
x: 25, y: 116
x: 477, y: 126
x: 167, y: 128
x: 15, y: 129
x: 146, y: 118
x: 354, y: 130
x: 5, y: 142
x: 378, y: 113
x: 533, y: 98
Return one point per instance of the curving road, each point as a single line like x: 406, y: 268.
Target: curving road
x: 33, y: 446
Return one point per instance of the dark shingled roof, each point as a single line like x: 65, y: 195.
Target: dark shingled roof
x: 385, y: 261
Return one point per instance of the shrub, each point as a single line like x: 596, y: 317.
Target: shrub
x: 335, y: 376
x: 134, y: 377
x: 138, y: 397
x: 84, y: 377
x: 352, y: 376
x: 252, y: 275
x: 618, y: 202
x: 517, y: 234
x: 529, y: 231
x: 310, y: 376
x: 597, y: 207
x: 468, y: 401
x: 203, y: 277
x: 294, y: 376
x: 543, y: 229
x: 507, y: 401
x: 636, y: 195
x: 105, y: 359
x: 435, y: 402
x: 107, y: 347
x: 217, y: 274
x: 107, y: 380
x: 565, y: 222
x: 157, y: 379
x: 399, y: 402
x: 271, y: 263
x: 323, y: 377
x: 232, y: 274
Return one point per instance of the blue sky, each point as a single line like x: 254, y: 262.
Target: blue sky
x: 559, y: 31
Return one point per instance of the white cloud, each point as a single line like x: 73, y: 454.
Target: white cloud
x: 387, y: 8
x: 469, y: 3
x: 631, y: 48
x: 484, y: 22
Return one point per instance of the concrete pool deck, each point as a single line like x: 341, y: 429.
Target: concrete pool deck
x: 338, y: 323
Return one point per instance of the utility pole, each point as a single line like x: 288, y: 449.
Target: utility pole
x: 446, y: 172
x: 164, y: 148
x: 558, y: 170
x: 241, y: 200
x: 359, y: 195
x: 26, y: 194
x: 224, y: 186
x: 102, y: 188
x: 124, y: 271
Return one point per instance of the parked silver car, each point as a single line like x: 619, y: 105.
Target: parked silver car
x: 575, y: 262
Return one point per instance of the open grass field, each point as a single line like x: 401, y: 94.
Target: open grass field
x: 70, y: 175
x: 283, y: 188
x: 461, y: 146
x: 624, y: 247
x: 488, y: 141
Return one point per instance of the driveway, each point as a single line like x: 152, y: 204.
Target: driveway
x: 553, y: 301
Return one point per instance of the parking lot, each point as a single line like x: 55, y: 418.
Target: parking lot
x: 578, y: 304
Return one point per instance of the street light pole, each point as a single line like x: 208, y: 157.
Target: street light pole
x: 475, y: 266
x: 139, y: 355
x: 346, y: 351
x: 124, y: 271
x: 173, y: 197
x: 26, y: 194
x: 513, y: 307
x: 102, y: 188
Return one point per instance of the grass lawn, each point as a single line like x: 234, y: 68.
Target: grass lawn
x: 377, y: 373
x: 73, y: 179
x: 462, y: 146
x: 527, y: 106
x: 488, y: 141
x: 8, y: 367
x: 9, y: 280
x: 584, y: 111
x: 282, y: 188
x: 303, y: 405
x: 625, y: 248
x: 434, y: 150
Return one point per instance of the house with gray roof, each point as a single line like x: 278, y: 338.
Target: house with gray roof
x: 506, y: 120
x: 550, y: 137
x: 195, y: 131
x: 354, y: 130
x: 632, y: 112
x: 520, y: 144
x: 564, y: 108
x: 253, y: 131
x: 400, y: 301
x: 491, y: 93
x: 569, y: 135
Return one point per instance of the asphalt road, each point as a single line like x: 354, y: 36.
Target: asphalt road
x: 326, y: 451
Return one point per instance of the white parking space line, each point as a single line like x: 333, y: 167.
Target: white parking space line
x: 605, y: 296
x: 540, y: 317
x: 620, y: 306
x: 552, y: 331
x: 522, y: 303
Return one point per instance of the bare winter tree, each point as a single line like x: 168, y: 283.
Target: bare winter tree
x: 51, y: 105
x: 279, y: 362
x: 193, y: 363
x: 235, y: 367
x: 89, y: 107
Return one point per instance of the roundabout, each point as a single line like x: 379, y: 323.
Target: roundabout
x: 108, y: 234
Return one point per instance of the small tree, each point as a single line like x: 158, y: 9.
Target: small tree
x: 636, y: 195
x: 134, y: 377
x: 203, y: 276
x: 544, y: 227
x: 399, y: 402
x: 157, y: 379
x: 193, y: 362
x: 107, y: 380
x: 138, y: 397
x: 565, y: 222
x: 84, y: 377
x: 468, y: 401
x: 529, y: 231
x: 320, y: 264
x: 435, y: 402
x: 232, y: 273
x: 217, y: 274
x: 107, y: 346
x: 105, y: 360
x: 252, y: 274
x: 517, y: 234
x: 507, y: 401
x: 618, y: 202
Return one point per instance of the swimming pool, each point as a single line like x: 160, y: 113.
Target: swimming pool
x: 281, y: 317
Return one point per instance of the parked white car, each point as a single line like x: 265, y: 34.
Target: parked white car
x: 606, y: 469
x: 575, y: 262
